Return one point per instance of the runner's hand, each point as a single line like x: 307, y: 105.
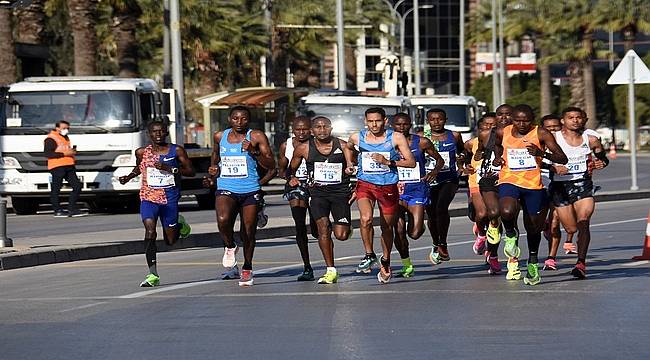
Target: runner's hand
x: 599, y: 164
x: 534, y: 150
x: 498, y: 161
x: 560, y: 169
x: 293, y: 182
x: 379, y: 158
x: 213, y: 171
x: 207, y: 182
x: 246, y: 146
x: 430, y: 176
x: 469, y: 170
x: 350, y: 170
x: 352, y: 198
x: 124, y: 179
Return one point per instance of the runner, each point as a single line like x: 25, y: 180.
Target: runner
x: 571, y: 186
x: 236, y: 154
x: 442, y: 191
x: 483, y: 193
x: 381, y: 151
x: 504, y: 115
x: 520, y: 182
x: 329, y: 165
x: 414, y: 190
x: 298, y: 194
x: 162, y: 164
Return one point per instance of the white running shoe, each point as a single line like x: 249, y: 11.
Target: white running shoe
x: 229, y: 260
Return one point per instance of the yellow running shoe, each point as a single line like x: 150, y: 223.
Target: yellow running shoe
x: 330, y: 277
x: 493, y: 235
x: 513, y: 269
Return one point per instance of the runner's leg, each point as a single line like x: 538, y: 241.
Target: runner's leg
x: 248, y: 228
x: 299, y: 214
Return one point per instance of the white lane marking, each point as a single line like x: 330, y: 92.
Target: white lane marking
x: 637, y: 263
x: 83, y: 307
x: 291, y: 266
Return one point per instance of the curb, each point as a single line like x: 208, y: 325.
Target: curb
x: 60, y: 254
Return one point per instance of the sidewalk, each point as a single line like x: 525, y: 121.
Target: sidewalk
x: 61, y: 248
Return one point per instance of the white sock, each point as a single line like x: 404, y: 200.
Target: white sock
x: 331, y: 268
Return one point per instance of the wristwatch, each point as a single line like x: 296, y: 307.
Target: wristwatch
x: 175, y: 170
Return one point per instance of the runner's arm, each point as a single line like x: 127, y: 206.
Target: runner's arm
x: 283, y: 162
x: 186, y: 165
x: 299, y: 153
x: 402, y: 146
x: 268, y: 176
x: 136, y: 170
x: 427, y: 146
x: 547, y: 140
x: 215, y: 158
x: 601, y: 156
x: 265, y: 155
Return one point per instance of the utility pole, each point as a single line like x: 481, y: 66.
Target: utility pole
x: 461, y: 51
x: 416, y: 47
x: 496, y: 101
x: 340, y: 44
x: 167, y: 61
x: 177, y: 56
x: 503, y: 75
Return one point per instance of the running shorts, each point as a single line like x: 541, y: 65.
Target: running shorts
x: 337, y: 205
x: 564, y: 193
x: 415, y: 194
x: 387, y: 196
x: 532, y: 201
x: 168, y: 213
x: 300, y: 192
x: 246, y: 199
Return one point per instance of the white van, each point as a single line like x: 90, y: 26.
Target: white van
x: 463, y: 112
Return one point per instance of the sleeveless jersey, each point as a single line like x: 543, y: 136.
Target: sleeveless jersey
x: 371, y: 171
x: 301, y: 172
x: 238, y: 168
x: 327, y: 172
x: 447, y: 149
x: 520, y: 168
x: 411, y: 176
x: 159, y: 186
x: 579, y: 158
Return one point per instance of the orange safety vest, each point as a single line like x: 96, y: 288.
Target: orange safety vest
x: 62, y: 144
x: 519, y: 168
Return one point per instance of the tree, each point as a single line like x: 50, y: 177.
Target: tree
x: 124, y: 23
x: 31, y: 23
x: 7, y: 52
x: 83, y: 19
x: 627, y: 16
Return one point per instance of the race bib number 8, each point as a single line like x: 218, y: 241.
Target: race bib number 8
x: 520, y: 159
x: 234, y: 167
x: 158, y: 179
x: 409, y: 175
x: 327, y: 173
x: 370, y: 166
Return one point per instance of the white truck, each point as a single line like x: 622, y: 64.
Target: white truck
x: 346, y: 108
x: 108, y: 118
x: 463, y: 112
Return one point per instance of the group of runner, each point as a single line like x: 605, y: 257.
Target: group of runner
x: 409, y: 177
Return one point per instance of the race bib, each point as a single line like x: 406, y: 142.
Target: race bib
x: 328, y: 173
x: 520, y: 159
x: 577, y: 164
x: 409, y: 175
x: 234, y: 167
x: 301, y: 172
x: 370, y: 166
x: 159, y: 179
x: 431, y: 162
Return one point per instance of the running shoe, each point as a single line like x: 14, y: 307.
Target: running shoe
x: 150, y: 281
x: 406, y: 271
x: 307, y: 275
x: 262, y: 219
x: 532, y: 275
x: 569, y: 248
x: 434, y: 256
x: 229, y: 260
x: 246, y: 278
x: 479, y: 245
x: 330, y: 277
x: 77, y: 213
x: 550, y: 264
x: 365, y: 266
x: 510, y: 248
x: 493, y: 235
x: 186, y: 229
x: 384, y: 275
x: 231, y: 274
x: 60, y: 214
x: 513, y: 269
x: 579, y: 271
x: 495, y: 266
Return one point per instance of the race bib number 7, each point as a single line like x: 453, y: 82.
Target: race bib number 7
x: 520, y: 159
x: 370, y: 166
x: 158, y: 179
x: 328, y: 173
x: 234, y: 167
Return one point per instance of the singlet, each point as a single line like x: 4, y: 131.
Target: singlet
x: 327, y: 172
x: 301, y: 172
x: 474, y: 178
x: 520, y: 168
x: 158, y: 186
x: 238, y: 168
x: 579, y: 158
x: 371, y: 171
x: 447, y: 150
x: 411, y: 176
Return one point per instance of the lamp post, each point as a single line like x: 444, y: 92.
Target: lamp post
x: 340, y: 45
x: 402, y: 31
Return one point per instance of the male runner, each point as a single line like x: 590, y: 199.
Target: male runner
x: 236, y: 154
x: 442, y: 191
x: 414, y: 190
x: 329, y: 166
x: 159, y: 193
x: 381, y: 151
x: 520, y: 183
x: 504, y: 115
x: 298, y: 194
x: 571, y: 186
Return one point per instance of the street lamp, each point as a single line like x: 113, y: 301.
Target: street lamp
x: 402, y: 24
x: 394, y: 13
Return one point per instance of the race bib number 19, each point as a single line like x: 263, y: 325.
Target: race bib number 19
x: 234, y: 167
x: 370, y: 166
x: 327, y: 173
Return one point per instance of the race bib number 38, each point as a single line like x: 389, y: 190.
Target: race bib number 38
x: 234, y: 167
x: 370, y: 166
x: 520, y: 159
x: 158, y: 179
x: 409, y: 175
x: 327, y: 173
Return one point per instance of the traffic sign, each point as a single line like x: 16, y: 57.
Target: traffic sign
x: 621, y: 75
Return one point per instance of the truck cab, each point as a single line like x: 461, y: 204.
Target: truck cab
x: 462, y: 112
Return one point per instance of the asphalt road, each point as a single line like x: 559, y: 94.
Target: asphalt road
x: 95, y: 309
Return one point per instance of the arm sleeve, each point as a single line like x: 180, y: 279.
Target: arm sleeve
x: 50, y: 149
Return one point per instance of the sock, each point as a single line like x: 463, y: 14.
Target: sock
x: 331, y: 269
x: 532, y: 257
x: 150, y: 255
x: 385, y: 263
x: 371, y: 255
x: 407, y: 262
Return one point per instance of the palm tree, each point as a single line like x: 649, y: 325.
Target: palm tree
x: 124, y: 24
x: 626, y: 16
x: 83, y: 19
x: 7, y: 53
x: 31, y: 23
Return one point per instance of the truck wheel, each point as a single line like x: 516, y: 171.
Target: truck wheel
x: 205, y: 201
x: 24, y: 206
